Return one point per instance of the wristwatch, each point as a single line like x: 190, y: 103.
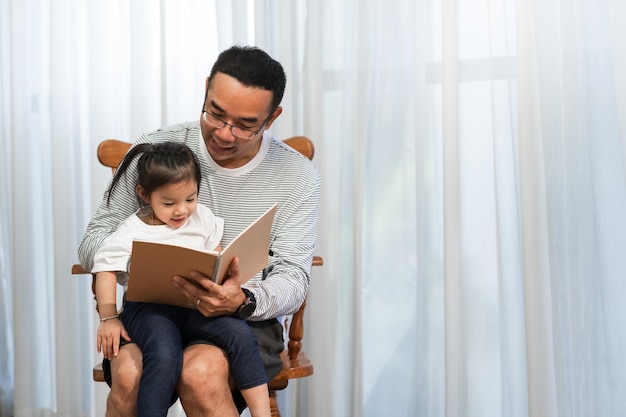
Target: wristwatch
x: 248, y: 306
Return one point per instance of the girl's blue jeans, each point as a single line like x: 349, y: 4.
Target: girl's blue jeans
x: 162, y: 331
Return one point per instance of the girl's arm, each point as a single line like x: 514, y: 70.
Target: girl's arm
x: 111, y: 328
x: 106, y: 298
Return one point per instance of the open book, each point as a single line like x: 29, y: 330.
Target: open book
x: 153, y: 265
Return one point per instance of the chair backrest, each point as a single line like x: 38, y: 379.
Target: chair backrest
x: 112, y: 151
x: 301, y: 144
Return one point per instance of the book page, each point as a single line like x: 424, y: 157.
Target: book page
x: 251, y: 246
x: 153, y: 265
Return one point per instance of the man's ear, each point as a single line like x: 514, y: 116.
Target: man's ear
x: 274, y: 116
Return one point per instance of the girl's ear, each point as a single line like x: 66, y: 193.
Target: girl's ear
x: 142, y: 194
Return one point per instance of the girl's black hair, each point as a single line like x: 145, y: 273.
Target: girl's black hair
x: 160, y: 164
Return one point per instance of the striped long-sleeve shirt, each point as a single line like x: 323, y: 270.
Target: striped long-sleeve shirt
x: 278, y: 174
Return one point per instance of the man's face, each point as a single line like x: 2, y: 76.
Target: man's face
x: 246, y: 110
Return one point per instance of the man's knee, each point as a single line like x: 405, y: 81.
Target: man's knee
x: 126, y: 371
x: 203, y: 363
x: 204, y: 385
x: 117, y: 407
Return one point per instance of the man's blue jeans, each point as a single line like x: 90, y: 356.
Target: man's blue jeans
x: 161, y: 331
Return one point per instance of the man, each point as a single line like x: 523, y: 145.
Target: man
x: 244, y: 171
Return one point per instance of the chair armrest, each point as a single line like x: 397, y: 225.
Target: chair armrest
x: 296, y: 329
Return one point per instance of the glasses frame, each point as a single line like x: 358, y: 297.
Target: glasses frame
x: 231, y: 126
x: 253, y: 133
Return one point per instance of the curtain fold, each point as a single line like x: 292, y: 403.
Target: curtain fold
x: 584, y: 203
x: 7, y: 356
x: 539, y: 345
x: 6, y: 233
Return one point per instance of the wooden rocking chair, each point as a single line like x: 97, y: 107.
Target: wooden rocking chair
x: 295, y: 362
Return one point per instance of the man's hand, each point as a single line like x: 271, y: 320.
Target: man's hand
x: 210, y: 298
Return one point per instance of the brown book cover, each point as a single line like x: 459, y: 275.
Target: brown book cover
x: 153, y: 265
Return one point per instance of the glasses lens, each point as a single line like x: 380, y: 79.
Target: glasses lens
x: 237, y: 132
x: 212, y: 120
x: 241, y: 133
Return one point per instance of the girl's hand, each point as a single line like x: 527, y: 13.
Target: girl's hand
x: 108, y: 340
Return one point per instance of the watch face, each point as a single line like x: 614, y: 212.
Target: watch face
x: 248, y: 306
x: 247, y: 309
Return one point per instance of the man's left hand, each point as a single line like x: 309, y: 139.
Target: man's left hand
x: 212, y: 299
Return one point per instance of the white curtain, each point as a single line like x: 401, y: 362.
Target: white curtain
x: 473, y: 214
x: 474, y: 207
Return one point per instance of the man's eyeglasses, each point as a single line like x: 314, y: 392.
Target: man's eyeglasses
x: 237, y: 131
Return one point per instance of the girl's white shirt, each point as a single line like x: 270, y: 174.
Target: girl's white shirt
x: 202, y: 231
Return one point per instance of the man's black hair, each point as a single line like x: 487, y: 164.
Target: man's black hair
x: 252, y: 67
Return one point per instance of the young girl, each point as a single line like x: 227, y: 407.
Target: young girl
x: 167, y: 188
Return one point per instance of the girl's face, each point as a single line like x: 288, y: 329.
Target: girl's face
x: 172, y: 204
